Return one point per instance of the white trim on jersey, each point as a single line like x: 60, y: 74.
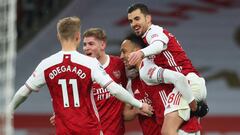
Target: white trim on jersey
x: 163, y: 96
x: 105, y: 65
x: 129, y: 86
x: 171, y: 61
x: 94, y: 105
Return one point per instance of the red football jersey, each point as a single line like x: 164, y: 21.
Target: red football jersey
x: 110, y: 108
x: 69, y: 77
x: 148, y: 124
x: 172, y: 57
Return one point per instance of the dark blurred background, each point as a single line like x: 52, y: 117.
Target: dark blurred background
x: 33, y: 15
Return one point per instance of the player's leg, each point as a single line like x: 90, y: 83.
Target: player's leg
x: 176, y: 112
x: 198, y: 86
x: 199, y: 90
x: 171, y: 124
x: 182, y: 132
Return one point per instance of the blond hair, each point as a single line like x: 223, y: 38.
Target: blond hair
x: 67, y: 27
x: 98, y: 33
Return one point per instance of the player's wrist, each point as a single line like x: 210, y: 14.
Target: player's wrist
x: 143, y: 54
x: 140, y: 105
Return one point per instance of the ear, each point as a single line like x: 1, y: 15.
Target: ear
x: 104, y: 45
x: 78, y: 36
x: 149, y: 18
x: 58, y: 37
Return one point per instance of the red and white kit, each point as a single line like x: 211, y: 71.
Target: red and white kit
x: 173, y: 57
x: 110, y: 108
x: 148, y: 124
x: 69, y: 77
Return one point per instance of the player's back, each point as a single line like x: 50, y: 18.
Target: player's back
x: 109, y: 107
x: 68, y: 77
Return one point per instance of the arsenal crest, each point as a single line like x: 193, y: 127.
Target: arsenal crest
x: 117, y: 74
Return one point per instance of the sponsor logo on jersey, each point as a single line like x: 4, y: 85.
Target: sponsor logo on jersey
x: 154, y: 35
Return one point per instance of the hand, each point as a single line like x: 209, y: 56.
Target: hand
x: 52, y: 120
x: 193, y: 105
x: 202, y: 109
x: 146, y: 110
x: 134, y: 57
x: 10, y: 111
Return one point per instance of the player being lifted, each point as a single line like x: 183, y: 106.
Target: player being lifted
x: 69, y: 76
x: 166, y: 52
x: 152, y: 75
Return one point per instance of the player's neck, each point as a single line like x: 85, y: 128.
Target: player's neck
x: 103, y: 58
x: 69, y: 46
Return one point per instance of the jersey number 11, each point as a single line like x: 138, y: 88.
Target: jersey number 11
x: 63, y: 84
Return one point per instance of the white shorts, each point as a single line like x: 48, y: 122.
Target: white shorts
x: 175, y: 101
x: 181, y: 132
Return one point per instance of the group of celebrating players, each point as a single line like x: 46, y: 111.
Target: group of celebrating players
x: 95, y: 93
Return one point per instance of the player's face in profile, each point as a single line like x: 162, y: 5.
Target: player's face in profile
x: 92, y: 47
x: 138, y: 22
x: 125, y: 50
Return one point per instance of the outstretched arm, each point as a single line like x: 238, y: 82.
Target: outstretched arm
x: 20, y: 96
x: 123, y: 95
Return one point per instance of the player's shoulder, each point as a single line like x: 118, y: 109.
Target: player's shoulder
x: 115, y: 58
x: 50, y: 60
x: 84, y: 60
x: 156, y: 28
x: 154, y: 31
x: 117, y: 61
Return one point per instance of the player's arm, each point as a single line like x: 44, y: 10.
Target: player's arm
x: 154, y: 48
x: 151, y: 74
x: 20, y: 96
x: 157, y: 41
x: 34, y: 82
x: 122, y: 94
x: 102, y: 78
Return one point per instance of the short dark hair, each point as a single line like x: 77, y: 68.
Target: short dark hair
x: 143, y: 8
x: 138, y: 41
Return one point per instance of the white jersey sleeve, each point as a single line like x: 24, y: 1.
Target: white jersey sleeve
x: 156, y: 39
x: 155, y: 33
x: 99, y: 75
x: 37, y: 79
